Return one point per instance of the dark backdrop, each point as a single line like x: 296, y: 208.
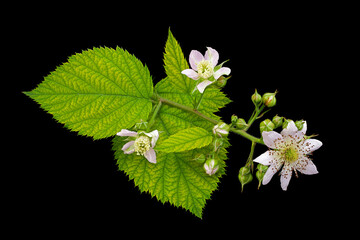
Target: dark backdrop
x: 68, y: 182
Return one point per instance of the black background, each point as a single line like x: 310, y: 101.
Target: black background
x: 67, y: 183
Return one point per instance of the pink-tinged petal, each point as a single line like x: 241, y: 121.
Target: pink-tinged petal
x: 150, y: 156
x: 212, y: 55
x: 195, y: 57
x: 129, y: 147
x: 201, y: 86
x: 274, y: 167
x: 264, y: 158
x: 222, y: 71
x: 306, y: 166
x: 285, y: 176
x: 191, y: 74
x: 311, y: 145
x: 154, y: 137
x: 126, y: 133
x: 272, y: 139
x: 291, y: 129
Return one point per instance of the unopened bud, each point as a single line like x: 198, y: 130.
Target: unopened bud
x: 285, y: 123
x: 269, y: 99
x: 256, y: 98
x: 221, y: 82
x: 221, y: 129
x: 299, y: 124
x: 244, y: 176
x: 266, y: 125
x: 278, y: 121
x: 211, y: 166
x: 234, y: 119
x: 241, y: 124
x: 261, y: 170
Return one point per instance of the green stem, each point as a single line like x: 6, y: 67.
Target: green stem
x: 185, y: 108
x: 254, y: 117
x: 201, y: 98
x: 156, y: 111
x: 242, y: 133
x: 246, y: 135
x: 249, y: 162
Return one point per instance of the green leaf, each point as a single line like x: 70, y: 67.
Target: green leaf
x: 186, y: 139
x: 174, y: 63
x: 176, y: 177
x: 97, y: 92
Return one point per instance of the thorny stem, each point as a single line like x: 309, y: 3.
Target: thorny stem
x: 196, y: 112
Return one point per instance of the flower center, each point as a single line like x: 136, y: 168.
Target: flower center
x: 291, y: 154
x: 142, y: 145
x: 205, y: 70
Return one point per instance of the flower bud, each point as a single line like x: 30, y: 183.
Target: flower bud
x: 285, y: 123
x: 221, y: 129
x: 261, y: 173
x: 266, y: 125
x: 211, y: 166
x: 244, y: 176
x: 234, y: 119
x: 221, y: 82
x: 278, y: 121
x: 299, y: 124
x: 256, y: 98
x: 269, y: 99
x: 241, y: 124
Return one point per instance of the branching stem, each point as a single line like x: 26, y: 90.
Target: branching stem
x: 242, y: 133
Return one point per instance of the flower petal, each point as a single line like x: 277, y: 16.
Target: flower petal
x: 291, y: 129
x: 286, y: 174
x: 271, y: 139
x: 304, y: 129
x: 212, y: 55
x: 195, y: 57
x: 191, y: 74
x: 274, y: 167
x: 311, y: 145
x: 264, y: 158
x: 306, y: 166
x: 150, y: 155
x: 154, y: 137
x: 222, y: 71
x: 126, y: 133
x: 129, y: 147
x: 201, y: 86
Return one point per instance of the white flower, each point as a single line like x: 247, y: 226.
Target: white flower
x: 141, y: 143
x: 203, y: 68
x: 290, y: 148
